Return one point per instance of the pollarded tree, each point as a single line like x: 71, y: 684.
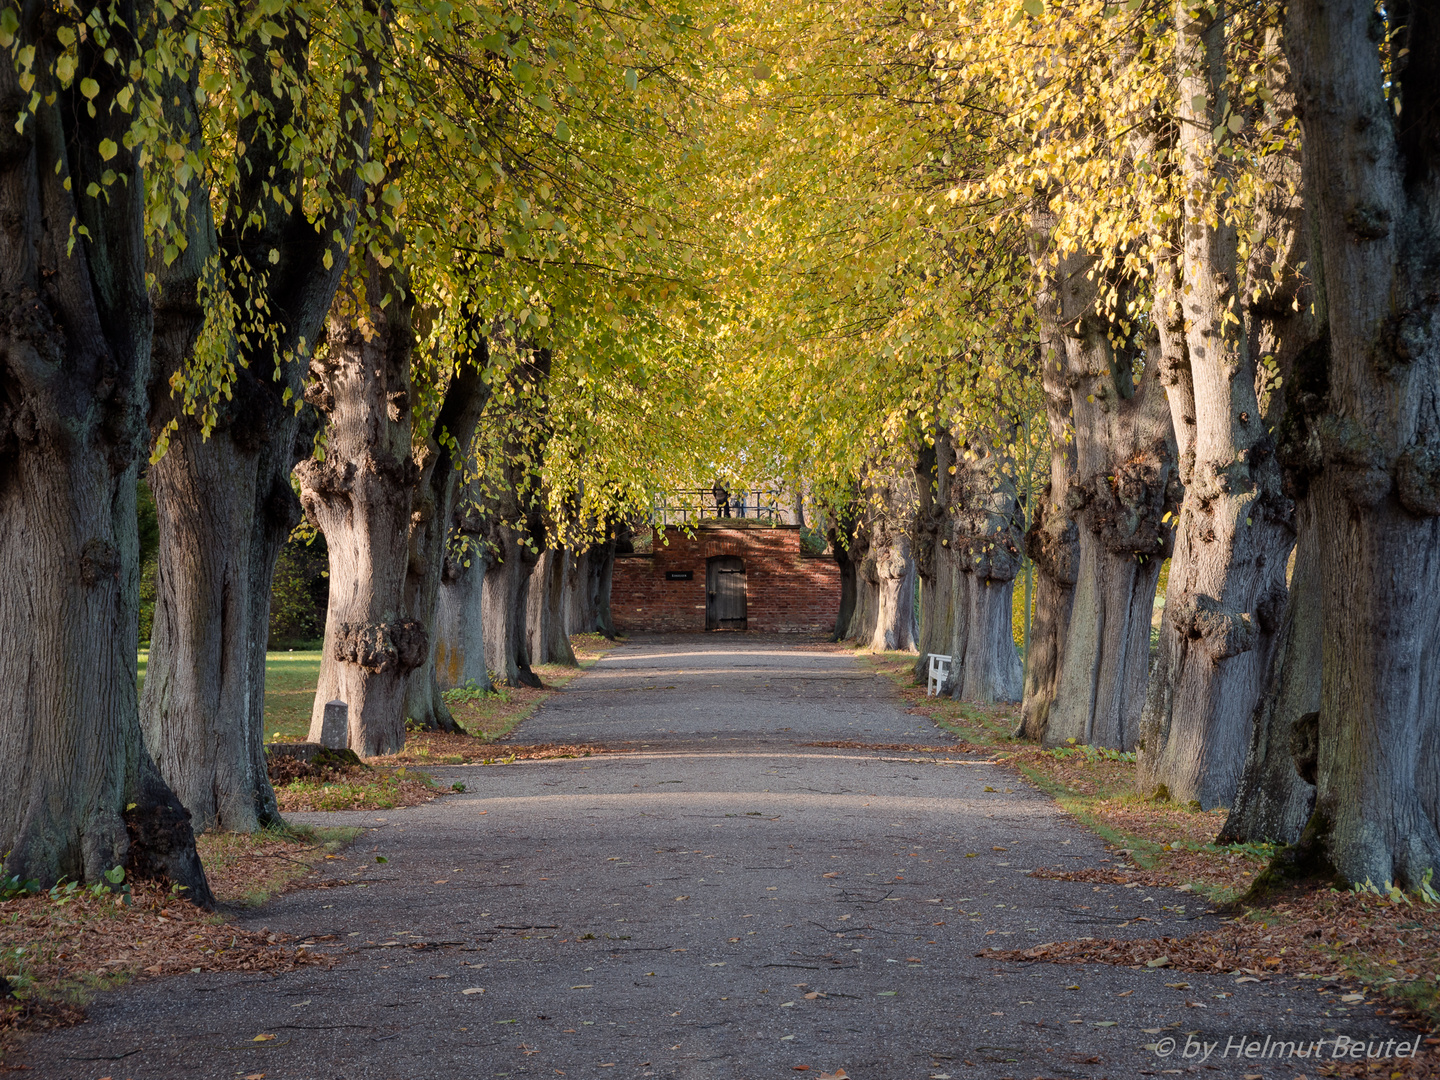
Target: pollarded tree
x: 83, y: 793
x: 1227, y: 589
x: 357, y: 490
x: 1371, y: 133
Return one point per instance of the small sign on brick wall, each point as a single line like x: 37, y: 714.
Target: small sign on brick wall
x: 679, y: 575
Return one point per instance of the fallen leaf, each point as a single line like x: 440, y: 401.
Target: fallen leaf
x: 1178, y: 986
x: 1158, y: 962
x: 1105, y: 1023
x: 1352, y: 998
x: 584, y: 986
x: 813, y: 994
x: 989, y: 788
x: 474, y: 990
x: 913, y: 960
x: 997, y: 847
x: 838, y: 1074
x: 885, y: 993
x: 262, y: 1038
x: 1125, y: 993
x: 800, y: 1068
x: 682, y: 898
x: 1247, y: 978
x: 254, y: 1076
x: 833, y: 873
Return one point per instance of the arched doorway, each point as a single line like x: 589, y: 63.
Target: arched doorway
x: 725, y: 593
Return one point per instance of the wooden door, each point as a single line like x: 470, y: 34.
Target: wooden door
x: 725, y: 593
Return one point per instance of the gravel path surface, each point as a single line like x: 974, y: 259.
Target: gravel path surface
x: 718, y: 901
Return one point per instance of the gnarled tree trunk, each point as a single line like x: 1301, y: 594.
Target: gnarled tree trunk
x: 1053, y: 541
x: 987, y: 533
x: 1372, y: 168
x: 1125, y: 485
x: 1226, y: 590
x: 82, y: 794
x: 359, y: 495
x: 432, y: 512
x: 223, y: 501
x: 885, y: 607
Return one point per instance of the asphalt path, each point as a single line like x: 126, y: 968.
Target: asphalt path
x: 718, y: 900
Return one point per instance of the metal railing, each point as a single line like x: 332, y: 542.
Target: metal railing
x: 688, y: 506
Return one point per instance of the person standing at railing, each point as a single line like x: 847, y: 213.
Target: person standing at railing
x: 722, y: 500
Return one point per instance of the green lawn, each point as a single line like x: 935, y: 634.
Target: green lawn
x: 290, y: 679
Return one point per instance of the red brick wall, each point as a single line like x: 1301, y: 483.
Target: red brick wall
x: 786, y: 592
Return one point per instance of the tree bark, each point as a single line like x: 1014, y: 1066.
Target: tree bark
x: 1053, y: 541
x: 547, y: 615
x: 987, y: 533
x: 223, y: 498
x: 890, y: 624
x: 1372, y: 167
x: 1226, y: 588
x: 602, y: 574
x: 82, y: 793
x: 359, y: 495
x: 842, y: 537
x: 515, y: 527
x: 1125, y: 485
x: 1276, y: 793
x: 431, y: 515
x: 459, y: 652
x: 934, y: 553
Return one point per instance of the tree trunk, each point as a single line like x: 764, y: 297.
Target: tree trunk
x: 891, y: 625
x: 580, y: 604
x: 934, y: 553
x: 459, y: 652
x: 507, y: 595
x: 842, y: 536
x: 432, y: 511
x: 988, y: 530
x: 515, y: 527
x: 1276, y: 793
x: 1373, y: 178
x: 1226, y: 588
x: 1053, y: 540
x: 359, y: 495
x: 224, y: 502
x: 547, y: 621
x: 82, y: 793
x: 867, y: 582
x: 1125, y: 486
x: 602, y: 573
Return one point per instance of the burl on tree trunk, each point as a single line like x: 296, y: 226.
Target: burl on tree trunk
x: 82, y: 794
x: 359, y: 495
x: 1372, y: 167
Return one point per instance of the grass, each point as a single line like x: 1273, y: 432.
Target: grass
x: 1387, y: 942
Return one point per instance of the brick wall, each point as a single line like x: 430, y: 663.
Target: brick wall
x: 786, y: 592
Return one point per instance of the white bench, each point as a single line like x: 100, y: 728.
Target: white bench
x: 939, y: 672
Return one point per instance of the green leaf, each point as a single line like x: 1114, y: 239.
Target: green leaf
x: 107, y: 149
x: 1034, y: 8
x: 90, y: 88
